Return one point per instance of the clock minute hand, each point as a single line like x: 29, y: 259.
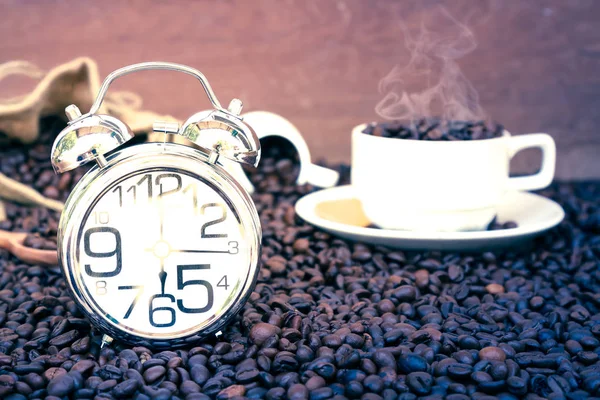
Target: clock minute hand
x: 162, y: 275
x: 201, y: 251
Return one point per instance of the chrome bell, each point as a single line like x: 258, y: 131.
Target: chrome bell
x: 220, y: 133
x: 86, y: 138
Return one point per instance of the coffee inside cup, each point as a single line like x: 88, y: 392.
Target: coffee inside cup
x: 433, y: 129
x: 279, y: 165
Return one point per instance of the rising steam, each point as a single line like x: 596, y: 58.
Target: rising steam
x: 441, y: 40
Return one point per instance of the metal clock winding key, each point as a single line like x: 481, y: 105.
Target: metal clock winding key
x: 158, y: 243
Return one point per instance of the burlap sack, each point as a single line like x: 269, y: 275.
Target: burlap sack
x: 76, y: 82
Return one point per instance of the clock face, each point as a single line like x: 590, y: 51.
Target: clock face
x: 161, y: 254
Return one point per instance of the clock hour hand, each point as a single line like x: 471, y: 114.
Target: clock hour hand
x: 162, y: 275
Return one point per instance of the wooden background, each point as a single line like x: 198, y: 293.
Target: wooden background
x: 319, y: 63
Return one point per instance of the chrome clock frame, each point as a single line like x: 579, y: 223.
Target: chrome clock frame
x: 134, y: 160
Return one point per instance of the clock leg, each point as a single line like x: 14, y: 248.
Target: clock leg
x: 106, y: 340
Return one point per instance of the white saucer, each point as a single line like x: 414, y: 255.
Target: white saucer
x: 338, y: 211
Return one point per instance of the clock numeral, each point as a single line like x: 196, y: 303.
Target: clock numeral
x: 119, y: 190
x: 161, y: 177
x: 101, y: 288
x: 233, y: 247
x: 223, y: 282
x: 101, y: 217
x: 147, y: 177
x: 153, y: 310
x: 218, y: 220
x: 140, y: 290
x: 182, y: 284
x: 116, y: 252
x: 133, y: 189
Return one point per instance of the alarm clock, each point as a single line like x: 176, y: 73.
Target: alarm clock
x: 158, y: 243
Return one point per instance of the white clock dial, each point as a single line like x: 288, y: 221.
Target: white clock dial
x: 161, y: 254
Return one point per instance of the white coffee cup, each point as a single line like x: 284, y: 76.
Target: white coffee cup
x: 441, y: 185
x: 269, y: 125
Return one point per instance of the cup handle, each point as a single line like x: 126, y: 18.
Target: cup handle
x: 544, y: 177
x: 319, y: 176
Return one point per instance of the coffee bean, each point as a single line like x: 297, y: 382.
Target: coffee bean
x: 588, y: 357
x: 321, y: 393
x: 384, y: 358
x: 354, y: 389
x: 333, y: 341
x: 301, y: 245
x: 64, y: 339
x: 408, y: 363
x: 106, y: 386
x: 297, y: 392
x: 125, y: 388
x: 153, y: 374
x: 464, y: 357
x: 7, y: 384
x: 492, y: 354
x: 261, y: 332
x: 54, y: 372
x: 189, y: 387
x: 405, y: 293
x: 26, y: 369
x: 231, y: 392
x: 247, y: 376
x: 419, y: 382
x: 276, y: 264
x: 459, y: 371
x: 494, y: 288
x: 457, y: 396
x: 277, y: 393
x: 61, y: 385
x: 455, y: 273
x: 110, y: 372
x: 516, y: 385
x: 536, y: 302
x: 315, y: 382
x: 480, y: 377
x: 83, y: 366
x: 373, y: 383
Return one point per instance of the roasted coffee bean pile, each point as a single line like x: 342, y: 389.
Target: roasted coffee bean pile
x: 435, y: 129
x: 279, y: 166
x: 332, y: 319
